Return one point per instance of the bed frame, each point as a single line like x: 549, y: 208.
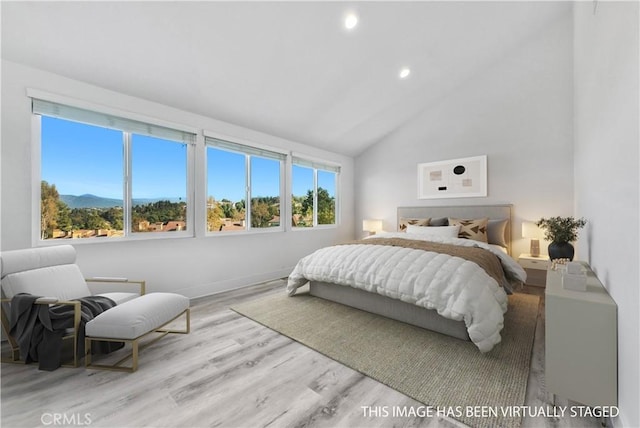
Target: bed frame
x: 406, y: 312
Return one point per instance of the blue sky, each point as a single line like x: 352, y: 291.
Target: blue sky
x: 82, y: 159
x: 226, y: 177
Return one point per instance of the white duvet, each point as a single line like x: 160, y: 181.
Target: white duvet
x: 456, y: 288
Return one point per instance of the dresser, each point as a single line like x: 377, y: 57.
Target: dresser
x: 581, y: 360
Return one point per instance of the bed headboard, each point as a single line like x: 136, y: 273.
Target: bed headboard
x: 493, y: 212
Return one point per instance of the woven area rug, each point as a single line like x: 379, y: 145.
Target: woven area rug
x: 432, y: 368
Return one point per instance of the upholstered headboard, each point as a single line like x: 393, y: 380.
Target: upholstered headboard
x: 493, y: 212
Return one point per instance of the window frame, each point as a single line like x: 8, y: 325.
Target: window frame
x: 129, y: 235
x: 251, y: 149
x: 317, y: 164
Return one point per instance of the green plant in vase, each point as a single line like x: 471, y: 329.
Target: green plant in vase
x: 561, y: 231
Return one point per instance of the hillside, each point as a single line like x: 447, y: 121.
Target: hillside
x: 89, y: 201
x: 93, y: 201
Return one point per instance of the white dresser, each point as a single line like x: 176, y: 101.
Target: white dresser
x: 581, y: 360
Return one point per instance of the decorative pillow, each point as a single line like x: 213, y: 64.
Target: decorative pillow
x: 442, y: 221
x: 475, y: 229
x: 441, y: 231
x: 499, y: 248
x: 496, y: 232
x: 404, y: 222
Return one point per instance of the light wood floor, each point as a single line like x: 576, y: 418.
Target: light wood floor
x: 229, y: 372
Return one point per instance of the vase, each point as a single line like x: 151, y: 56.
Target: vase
x: 561, y: 250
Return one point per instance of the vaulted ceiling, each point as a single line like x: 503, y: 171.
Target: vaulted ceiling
x: 290, y: 69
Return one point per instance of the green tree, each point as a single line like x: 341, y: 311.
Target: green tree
x: 296, y: 204
x: 228, y: 209
x: 260, y: 215
x: 214, y: 215
x: 79, y: 218
x: 113, y: 216
x: 238, y: 215
x: 95, y: 221
x: 136, y: 219
x: 64, y: 217
x: 307, y: 204
x: 159, y: 212
x: 326, y: 207
x: 50, y: 204
x: 297, y: 211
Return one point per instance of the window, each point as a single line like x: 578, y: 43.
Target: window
x: 313, y: 198
x: 158, y: 185
x: 238, y: 173
x: 110, y: 177
x: 326, y: 197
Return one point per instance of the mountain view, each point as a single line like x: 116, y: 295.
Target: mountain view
x: 91, y: 216
x: 93, y: 201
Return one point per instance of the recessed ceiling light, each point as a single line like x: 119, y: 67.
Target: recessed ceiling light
x: 350, y: 21
x: 404, y: 73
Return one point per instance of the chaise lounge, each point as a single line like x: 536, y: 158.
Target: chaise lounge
x: 52, y: 277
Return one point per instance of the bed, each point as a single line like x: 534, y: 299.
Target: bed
x: 461, y: 300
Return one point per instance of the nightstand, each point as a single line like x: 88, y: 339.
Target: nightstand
x: 536, y: 268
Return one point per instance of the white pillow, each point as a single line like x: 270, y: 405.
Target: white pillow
x: 441, y: 231
x: 499, y: 248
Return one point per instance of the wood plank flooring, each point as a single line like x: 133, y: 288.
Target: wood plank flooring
x: 231, y: 372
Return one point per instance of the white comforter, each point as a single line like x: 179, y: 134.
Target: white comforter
x: 456, y: 288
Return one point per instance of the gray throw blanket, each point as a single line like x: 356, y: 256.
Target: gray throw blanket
x: 39, y: 329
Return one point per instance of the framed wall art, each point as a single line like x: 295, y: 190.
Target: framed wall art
x: 455, y: 178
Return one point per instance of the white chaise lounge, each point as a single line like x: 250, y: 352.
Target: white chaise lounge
x: 132, y: 321
x: 51, y: 272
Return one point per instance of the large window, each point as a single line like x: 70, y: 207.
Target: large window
x: 238, y: 173
x: 110, y: 177
x: 313, y: 198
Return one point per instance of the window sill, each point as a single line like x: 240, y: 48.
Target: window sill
x: 318, y: 227
x: 145, y: 236
x: 257, y: 231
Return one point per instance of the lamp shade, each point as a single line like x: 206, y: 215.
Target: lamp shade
x: 371, y: 225
x: 531, y: 230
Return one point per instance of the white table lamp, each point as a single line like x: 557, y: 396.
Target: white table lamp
x: 372, y: 226
x: 532, y: 231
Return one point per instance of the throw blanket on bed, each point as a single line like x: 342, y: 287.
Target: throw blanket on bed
x: 483, y: 258
x: 39, y: 328
x: 425, y: 278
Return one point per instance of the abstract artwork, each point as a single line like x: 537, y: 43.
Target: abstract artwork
x: 455, y: 178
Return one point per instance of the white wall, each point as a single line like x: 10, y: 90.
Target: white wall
x: 518, y: 111
x: 191, y: 266
x: 606, y: 171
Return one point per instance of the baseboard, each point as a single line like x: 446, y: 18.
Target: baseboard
x: 620, y: 421
x: 204, y: 290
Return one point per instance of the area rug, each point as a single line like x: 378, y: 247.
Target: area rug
x: 444, y: 373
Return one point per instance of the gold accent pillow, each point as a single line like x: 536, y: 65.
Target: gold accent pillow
x: 404, y: 221
x: 475, y: 229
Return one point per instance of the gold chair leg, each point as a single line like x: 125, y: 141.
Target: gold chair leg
x: 134, y: 354
x: 13, y: 344
x: 87, y: 352
x: 136, y: 347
